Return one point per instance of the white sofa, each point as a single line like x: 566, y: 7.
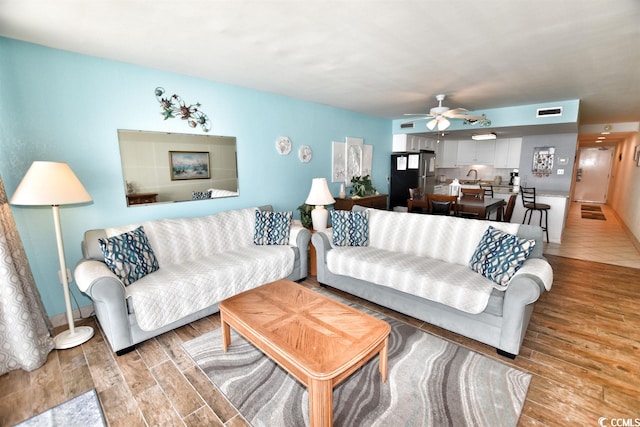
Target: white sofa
x: 201, y: 262
x: 419, y: 265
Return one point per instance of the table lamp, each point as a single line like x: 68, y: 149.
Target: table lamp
x: 54, y: 184
x: 319, y: 196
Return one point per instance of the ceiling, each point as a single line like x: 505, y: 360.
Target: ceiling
x: 379, y: 57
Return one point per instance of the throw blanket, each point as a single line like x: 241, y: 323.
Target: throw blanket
x: 423, y: 255
x: 177, y: 290
x: 203, y: 260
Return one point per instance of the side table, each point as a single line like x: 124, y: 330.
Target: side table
x: 313, y: 266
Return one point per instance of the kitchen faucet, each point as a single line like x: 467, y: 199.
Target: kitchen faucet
x: 475, y: 179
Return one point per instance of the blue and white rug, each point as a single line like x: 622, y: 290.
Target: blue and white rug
x: 81, y: 411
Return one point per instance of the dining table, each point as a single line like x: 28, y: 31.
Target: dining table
x: 484, y: 208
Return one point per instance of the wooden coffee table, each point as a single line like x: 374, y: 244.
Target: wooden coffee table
x: 315, y: 338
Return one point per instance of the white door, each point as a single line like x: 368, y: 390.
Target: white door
x: 592, y: 176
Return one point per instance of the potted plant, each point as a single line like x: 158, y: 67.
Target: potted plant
x: 305, y: 215
x: 362, y: 186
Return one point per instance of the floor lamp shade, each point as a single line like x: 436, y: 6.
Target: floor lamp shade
x: 53, y: 184
x: 319, y: 196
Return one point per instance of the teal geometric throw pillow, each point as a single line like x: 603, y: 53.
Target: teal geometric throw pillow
x: 350, y: 228
x: 499, y: 255
x: 129, y: 255
x: 272, y: 228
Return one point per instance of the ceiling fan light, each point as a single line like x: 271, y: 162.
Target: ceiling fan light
x: 432, y: 124
x: 483, y: 136
x: 443, y: 123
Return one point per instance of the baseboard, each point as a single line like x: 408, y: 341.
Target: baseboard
x: 627, y: 230
x: 83, y: 312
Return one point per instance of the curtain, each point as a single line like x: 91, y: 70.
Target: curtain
x: 25, y: 329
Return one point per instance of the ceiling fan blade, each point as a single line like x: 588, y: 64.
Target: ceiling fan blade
x: 468, y: 117
x: 453, y: 112
x: 417, y: 120
x: 416, y: 114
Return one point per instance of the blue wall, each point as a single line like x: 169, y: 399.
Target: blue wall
x: 61, y: 106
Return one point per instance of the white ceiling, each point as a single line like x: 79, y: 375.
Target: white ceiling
x: 379, y: 57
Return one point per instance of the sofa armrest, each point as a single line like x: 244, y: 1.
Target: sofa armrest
x: 299, y: 236
x: 321, y: 241
x: 517, y: 307
x: 107, y: 292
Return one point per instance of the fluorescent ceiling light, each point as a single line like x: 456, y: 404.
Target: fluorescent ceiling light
x: 483, y: 136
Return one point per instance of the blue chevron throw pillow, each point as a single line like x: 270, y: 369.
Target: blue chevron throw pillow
x: 272, y: 228
x: 350, y: 228
x: 129, y: 255
x: 499, y: 255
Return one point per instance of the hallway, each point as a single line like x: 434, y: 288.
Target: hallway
x: 596, y: 240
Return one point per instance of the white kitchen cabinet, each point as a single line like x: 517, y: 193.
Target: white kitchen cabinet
x: 507, y: 153
x: 446, y: 153
x: 403, y: 142
x: 476, y: 152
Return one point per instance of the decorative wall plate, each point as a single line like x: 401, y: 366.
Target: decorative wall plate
x: 283, y: 145
x: 305, y: 154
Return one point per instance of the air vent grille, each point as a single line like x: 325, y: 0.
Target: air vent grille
x: 549, y: 112
x: 406, y: 125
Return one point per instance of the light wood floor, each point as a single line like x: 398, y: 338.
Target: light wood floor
x: 582, y: 348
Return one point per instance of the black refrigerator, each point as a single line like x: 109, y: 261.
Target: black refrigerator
x: 411, y: 170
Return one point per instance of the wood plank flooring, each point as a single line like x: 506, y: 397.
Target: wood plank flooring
x: 582, y: 347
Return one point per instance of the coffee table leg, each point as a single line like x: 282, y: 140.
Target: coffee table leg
x: 226, y: 333
x: 384, y: 357
x: 320, y: 403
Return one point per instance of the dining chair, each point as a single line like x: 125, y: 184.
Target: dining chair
x: 488, y: 190
x: 508, y: 212
x: 530, y: 204
x: 440, y: 204
x: 475, y: 193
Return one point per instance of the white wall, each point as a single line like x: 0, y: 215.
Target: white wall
x: 624, y: 193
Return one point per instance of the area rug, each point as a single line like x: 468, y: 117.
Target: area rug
x: 432, y: 382
x: 83, y: 410
x: 592, y: 212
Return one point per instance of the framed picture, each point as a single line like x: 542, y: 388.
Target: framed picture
x: 189, y: 165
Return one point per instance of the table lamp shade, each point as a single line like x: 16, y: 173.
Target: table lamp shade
x: 48, y: 184
x: 319, y: 196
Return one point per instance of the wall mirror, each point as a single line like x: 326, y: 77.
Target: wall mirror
x: 161, y: 167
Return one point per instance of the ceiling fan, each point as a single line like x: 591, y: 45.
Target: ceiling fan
x: 439, y: 116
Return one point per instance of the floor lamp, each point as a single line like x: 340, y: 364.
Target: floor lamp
x: 54, y: 184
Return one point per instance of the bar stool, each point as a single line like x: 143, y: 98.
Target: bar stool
x: 530, y: 205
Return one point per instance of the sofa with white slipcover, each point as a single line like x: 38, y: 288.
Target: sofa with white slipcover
x: 456, y: 273
x: 183, y: 267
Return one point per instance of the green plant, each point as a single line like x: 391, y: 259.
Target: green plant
x: 362, y: 186
x: 305, y: 215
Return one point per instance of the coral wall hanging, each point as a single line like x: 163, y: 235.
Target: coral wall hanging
x: 173, y: 106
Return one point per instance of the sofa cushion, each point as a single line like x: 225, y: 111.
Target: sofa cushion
x: 129, y: 255
x: 450, y: 284
x: 272, y: 228
x: 446, y: 238
x: 499, y: 255
x: 180, y: 289
x: 350, y: 228
x: 176, y: 240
